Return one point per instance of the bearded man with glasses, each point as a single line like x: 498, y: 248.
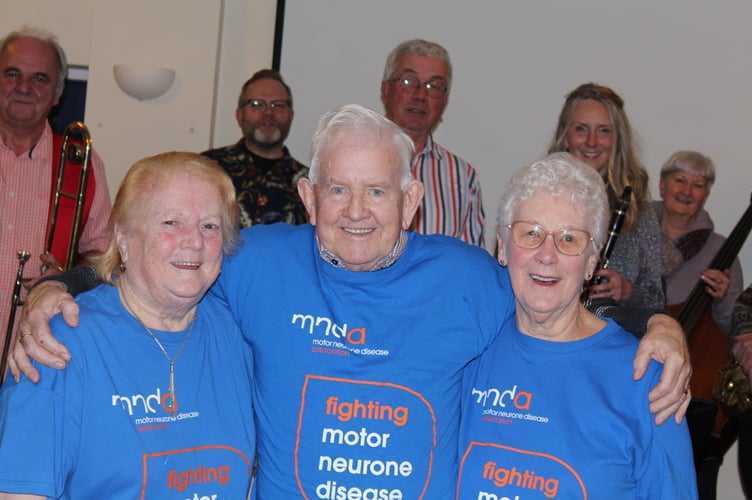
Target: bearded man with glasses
x: 263, y: 172
x: 415, y: 92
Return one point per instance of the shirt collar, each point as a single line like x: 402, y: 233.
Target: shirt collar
x: 430, y: 148
x: 39, y: 149
x: 383, y: 263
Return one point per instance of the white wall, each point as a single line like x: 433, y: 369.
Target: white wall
x: 125, y: 129
x: 71, y: 21
x: 682, y: 68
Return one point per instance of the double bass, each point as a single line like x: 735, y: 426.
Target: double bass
x: 709, y: 353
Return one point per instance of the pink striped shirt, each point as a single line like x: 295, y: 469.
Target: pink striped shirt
x: 452, y: 204
x: 25, y: 184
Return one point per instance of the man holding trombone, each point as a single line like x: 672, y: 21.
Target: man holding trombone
x: 33, y: 68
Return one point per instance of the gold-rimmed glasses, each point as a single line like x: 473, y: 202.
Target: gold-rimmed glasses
x: 567, y: 240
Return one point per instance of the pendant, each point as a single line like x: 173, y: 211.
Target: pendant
x: 171, y: 388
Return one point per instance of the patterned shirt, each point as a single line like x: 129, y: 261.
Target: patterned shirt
x: 25, y: 192
x: 382, y: 263
x: 266, y: 189
x: 452, y: 203
x: 743, y: 313
x: 637, y: 257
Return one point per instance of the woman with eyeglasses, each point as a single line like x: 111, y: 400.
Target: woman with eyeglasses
x: 551, y: 410
x: 593, y: 126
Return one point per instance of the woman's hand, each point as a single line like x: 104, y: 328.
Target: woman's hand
x: 615, y: 286
x: 718, y: 282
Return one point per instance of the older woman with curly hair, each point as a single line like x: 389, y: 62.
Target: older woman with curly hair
x: 550, y: 409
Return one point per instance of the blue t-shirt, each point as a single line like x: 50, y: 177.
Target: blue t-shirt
x: 358, y: 374
x: 102, y: 428
x: 543, y: 420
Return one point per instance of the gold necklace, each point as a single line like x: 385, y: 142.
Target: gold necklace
x: 171, y: 386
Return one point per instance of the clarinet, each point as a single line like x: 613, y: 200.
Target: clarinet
x: 614, y: 228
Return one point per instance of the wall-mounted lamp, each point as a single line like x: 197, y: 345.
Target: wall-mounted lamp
x: 142, y: 81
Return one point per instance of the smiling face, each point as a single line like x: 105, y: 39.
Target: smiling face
x: 268, y: 129
x: 357, y: 204
x: 547, y: 283
x: 590, y: 135
x: 28, y: 72
x: 416, y: 113
x: 173, y: 245
x: 684, y: 194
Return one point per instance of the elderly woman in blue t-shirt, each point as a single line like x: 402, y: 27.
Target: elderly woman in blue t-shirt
x: 551, y: 409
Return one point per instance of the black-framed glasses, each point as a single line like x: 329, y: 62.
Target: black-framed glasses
x: 569, y: 241
x: 279, y: 106
x: 435, y: 87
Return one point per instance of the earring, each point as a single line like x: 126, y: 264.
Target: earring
x: 123, y: 267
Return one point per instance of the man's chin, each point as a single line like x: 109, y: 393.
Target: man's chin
x: 262, y: 139
x: 266, y: 145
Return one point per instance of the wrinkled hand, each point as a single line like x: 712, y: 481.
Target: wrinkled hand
x: 616, y: 287
x: 666, y: 343
x: 718, y: 282
x: 52, y: 267
x: 42, y: 303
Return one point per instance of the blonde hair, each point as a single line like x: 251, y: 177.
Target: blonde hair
x: 139, y: 185
x: 624, y: 167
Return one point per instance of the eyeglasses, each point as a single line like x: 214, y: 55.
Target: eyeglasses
x: 279, y: 106
x: 529, y: 235
x: 435, y: 87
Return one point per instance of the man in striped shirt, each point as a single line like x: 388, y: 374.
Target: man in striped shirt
x: 415, y: 92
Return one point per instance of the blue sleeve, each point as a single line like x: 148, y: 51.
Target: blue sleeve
x: 40, y: 426
x: 664, y: 468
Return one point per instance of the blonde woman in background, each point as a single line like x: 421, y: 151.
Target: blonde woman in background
x: 594, y: 128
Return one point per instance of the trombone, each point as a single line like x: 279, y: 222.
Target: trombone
x: 73, y: 152
x: 23, y: 256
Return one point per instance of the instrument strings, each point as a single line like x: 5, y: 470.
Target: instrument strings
x: 698, y: 299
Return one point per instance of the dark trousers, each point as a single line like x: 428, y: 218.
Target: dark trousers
x: 709, y: 449
x: 745, y: 454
